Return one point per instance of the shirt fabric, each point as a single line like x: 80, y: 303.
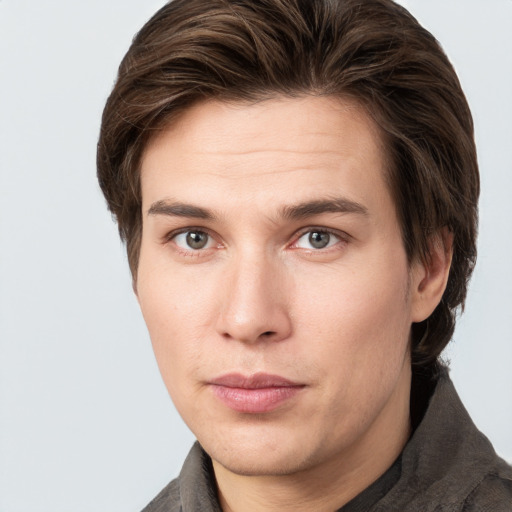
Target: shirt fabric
x: 447, y: 466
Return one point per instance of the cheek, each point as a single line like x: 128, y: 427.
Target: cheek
x: 173, y: 299
x: 358, y: 318
x: 173, y: 311
x: 358, y: 299
x: 357, y: 340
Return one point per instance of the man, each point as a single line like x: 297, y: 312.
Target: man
x: 297, y: 186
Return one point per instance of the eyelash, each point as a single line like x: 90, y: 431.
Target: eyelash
x: 171, y: 237
x: 340, y: 235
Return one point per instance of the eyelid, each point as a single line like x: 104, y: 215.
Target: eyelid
x: 168, y: 236
x: 341, y: 235
x: 171, y: 235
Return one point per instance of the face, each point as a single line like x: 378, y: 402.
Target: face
x: 274, y: 282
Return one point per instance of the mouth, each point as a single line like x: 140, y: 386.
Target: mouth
x: 254, y: 394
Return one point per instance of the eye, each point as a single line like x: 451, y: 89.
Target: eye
x: 194, y: 239
x: 317, y: 239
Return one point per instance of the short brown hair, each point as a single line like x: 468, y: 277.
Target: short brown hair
x: 372, y: 51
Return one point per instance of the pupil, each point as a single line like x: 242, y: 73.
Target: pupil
x: 319, y: 240
x: 197, y: 239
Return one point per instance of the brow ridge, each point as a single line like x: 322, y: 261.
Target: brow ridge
x: 177, y: 209
x: 291, y: 212
x: 318, y: 207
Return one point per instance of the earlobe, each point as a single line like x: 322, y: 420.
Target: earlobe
x: 429, y: 278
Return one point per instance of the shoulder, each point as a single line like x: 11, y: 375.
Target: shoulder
x: 493, y: 493
x: 193, y: 490
x: 168, y: 500
x: 448, y: 465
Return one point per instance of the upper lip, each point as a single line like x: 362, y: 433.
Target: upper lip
x: 254, y: 381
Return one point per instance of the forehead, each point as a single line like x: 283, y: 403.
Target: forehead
x: 287, y: 121
x: 264, y: 148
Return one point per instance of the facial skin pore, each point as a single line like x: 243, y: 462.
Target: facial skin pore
x: 279, y: 298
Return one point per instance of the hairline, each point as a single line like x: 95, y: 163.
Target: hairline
x: 229, y: 97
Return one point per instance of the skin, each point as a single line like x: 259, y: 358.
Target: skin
x: 259, y: 297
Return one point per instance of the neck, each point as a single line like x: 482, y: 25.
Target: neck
x: 333, y: 483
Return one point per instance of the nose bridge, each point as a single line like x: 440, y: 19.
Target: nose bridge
x: 253, y: 300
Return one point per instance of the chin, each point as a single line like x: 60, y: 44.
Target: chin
x: 261, y: 464
x: 260, y: 455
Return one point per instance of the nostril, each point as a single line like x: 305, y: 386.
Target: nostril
x: 268, y: 333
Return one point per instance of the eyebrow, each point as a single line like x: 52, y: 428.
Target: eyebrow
x: 292, y: 212
x: 318, y: 207
x: 176, y: 209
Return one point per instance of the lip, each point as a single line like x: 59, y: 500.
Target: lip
x: 255, y: 394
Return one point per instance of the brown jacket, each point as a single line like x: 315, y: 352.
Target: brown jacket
x: 447, y: 466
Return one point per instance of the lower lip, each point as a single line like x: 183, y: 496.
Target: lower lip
x: 255, y: 400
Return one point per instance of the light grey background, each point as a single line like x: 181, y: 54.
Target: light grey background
x: 85, y: 422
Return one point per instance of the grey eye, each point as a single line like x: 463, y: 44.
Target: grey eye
x: 319, y: 239
x: 316, y: 239
x: 195, y: 240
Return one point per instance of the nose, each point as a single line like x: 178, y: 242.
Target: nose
x: 254, y: 302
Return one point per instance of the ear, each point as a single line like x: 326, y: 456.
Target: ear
x: 429, y: 278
